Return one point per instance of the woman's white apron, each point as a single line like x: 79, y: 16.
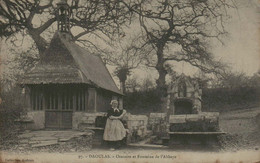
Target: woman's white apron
x: 114, y: 130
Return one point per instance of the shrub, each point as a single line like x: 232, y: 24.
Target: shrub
x: 221, y: 99
x: 10, y: 109
x: 213, y: 99
x: 143, y: 102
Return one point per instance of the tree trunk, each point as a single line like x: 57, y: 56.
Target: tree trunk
x: 122, y: 76
x: 161, y: 83
x: 122, y: 85
x: 40, y: 42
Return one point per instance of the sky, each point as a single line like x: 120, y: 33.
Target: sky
x: 241, y: 50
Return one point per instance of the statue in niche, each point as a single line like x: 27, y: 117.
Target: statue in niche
x: 182, y: 89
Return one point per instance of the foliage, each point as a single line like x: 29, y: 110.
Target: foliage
x: 147, y: 84
x: 223, y: 99
x: 15, y: 64
x: 144, y: 85
x: 213, y: 99
x: 143, y: 102
x: 132, y: 84
x: 236, y: 79
x: 11, y: 108
x: 122, y: 73
x: 245, y: 94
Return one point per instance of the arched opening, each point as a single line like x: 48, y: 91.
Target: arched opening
x: 182, y: 107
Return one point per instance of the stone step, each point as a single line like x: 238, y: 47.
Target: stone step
x: 45, y: 143
x: 43, y: 138
x: 34, y: 142
x: 24, y: 141
x: 26, y: 135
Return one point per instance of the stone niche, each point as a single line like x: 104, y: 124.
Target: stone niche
x: 184, y: 96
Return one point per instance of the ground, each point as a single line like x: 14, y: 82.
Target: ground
x: 240, y: 144
x: 242, y: 128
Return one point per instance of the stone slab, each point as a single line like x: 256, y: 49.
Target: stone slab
x: 24, y: 141
x: 26, y: 135
x: 45, y: 143
x: 34, y: 142
x: 177, y: 119
x: 43, y: 138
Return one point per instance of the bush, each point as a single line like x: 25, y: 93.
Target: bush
x: 214, y: 99
x: 143, y: 102
x: 10, y: 109
x: 221, y: 99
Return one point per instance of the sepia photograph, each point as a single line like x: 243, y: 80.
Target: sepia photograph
x: 129, y: 81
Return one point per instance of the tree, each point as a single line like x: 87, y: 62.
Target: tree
x: 122, y: 73
x: 179, y: 30
x: 16, y: 63
x: 233, y: 80
x: 126, y: 55
x: 34, y: 17
x: 254, y: 80
x: 132, y: 84
x: 147, y: 84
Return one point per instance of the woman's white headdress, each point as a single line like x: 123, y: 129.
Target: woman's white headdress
x: 113, y: 101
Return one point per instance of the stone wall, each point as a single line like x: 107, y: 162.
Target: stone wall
x: 157, y: 123
x: 156, y: 118
x: 33, y: 120
x: 137, y: 126
x: 83, y: 119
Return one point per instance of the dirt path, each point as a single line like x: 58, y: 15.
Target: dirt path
x: 242, y: 128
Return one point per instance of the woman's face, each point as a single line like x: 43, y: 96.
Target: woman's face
x: 114, y: 105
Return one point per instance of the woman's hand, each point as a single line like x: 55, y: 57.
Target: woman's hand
x: 122, y: 115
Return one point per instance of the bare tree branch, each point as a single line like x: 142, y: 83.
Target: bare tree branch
x: 184, y: 23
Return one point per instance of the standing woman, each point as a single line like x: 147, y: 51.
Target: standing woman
x: 114, y: 131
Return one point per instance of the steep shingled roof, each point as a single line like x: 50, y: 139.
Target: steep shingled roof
x: 66, y: 62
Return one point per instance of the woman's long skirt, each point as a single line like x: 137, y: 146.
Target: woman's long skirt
x: 114, y: 130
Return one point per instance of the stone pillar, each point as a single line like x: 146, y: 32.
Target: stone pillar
x: 92, y: 100
x: 27, y: 99
x: 120, y: 103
